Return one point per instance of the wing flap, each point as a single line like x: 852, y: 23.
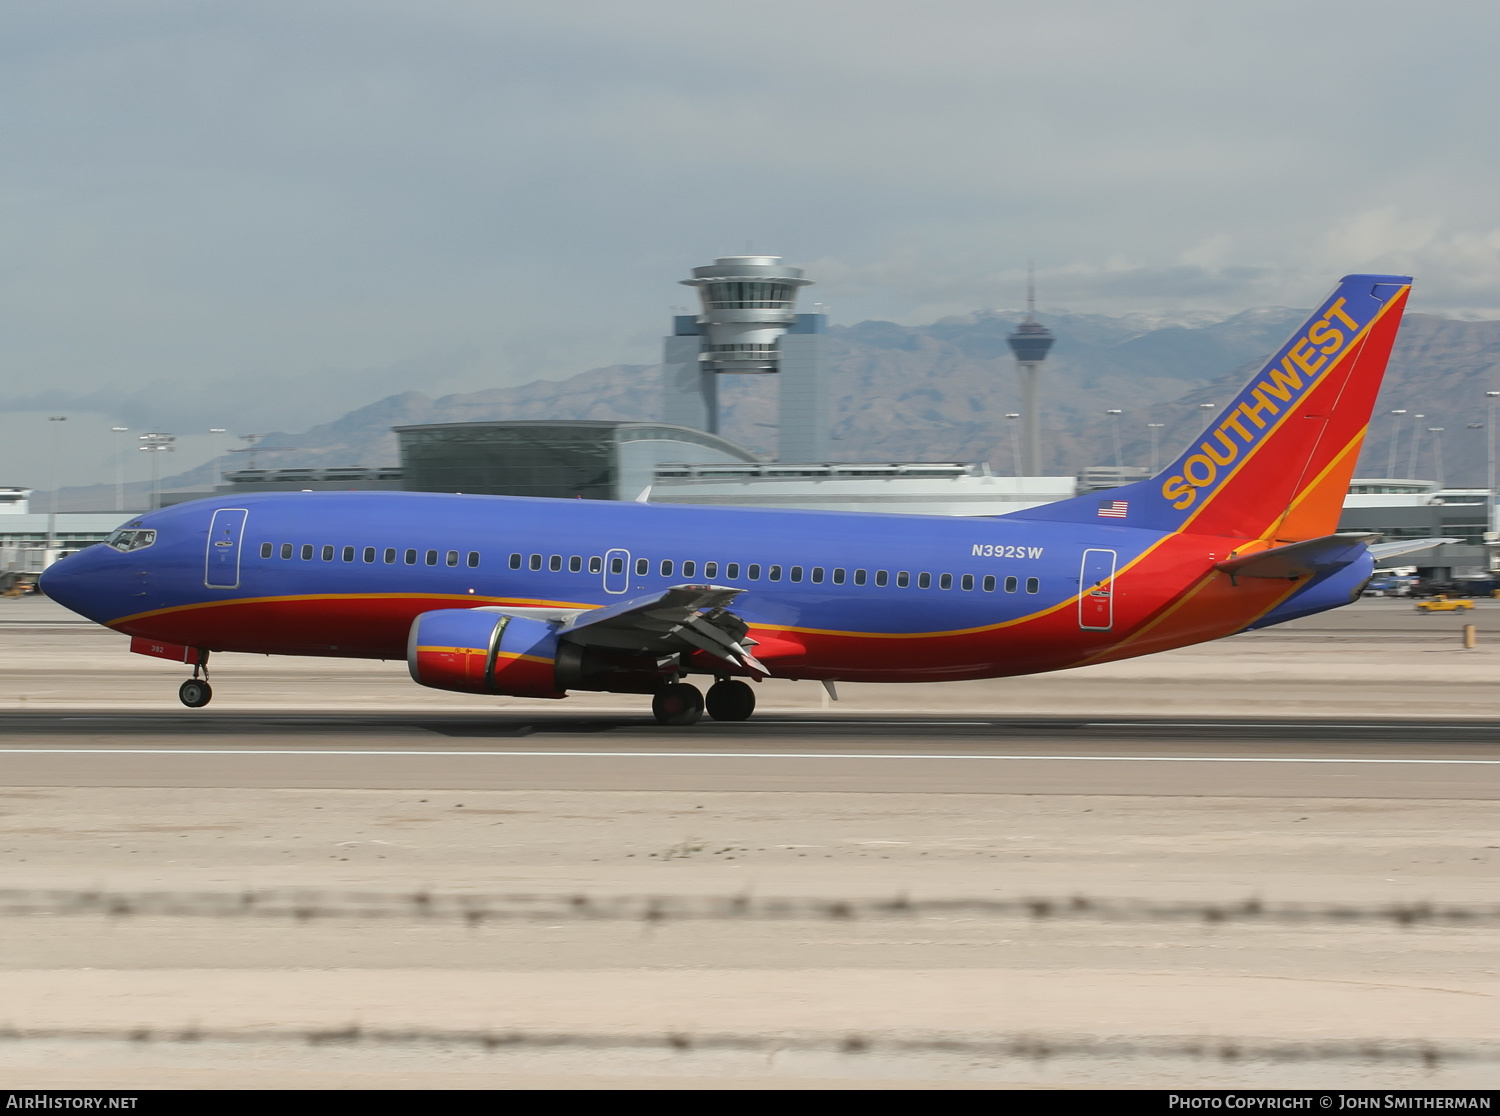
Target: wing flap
x: 682, y: 619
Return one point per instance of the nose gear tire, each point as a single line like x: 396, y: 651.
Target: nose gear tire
x: 195, y: 693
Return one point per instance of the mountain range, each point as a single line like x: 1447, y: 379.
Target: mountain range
x: 939, y: 392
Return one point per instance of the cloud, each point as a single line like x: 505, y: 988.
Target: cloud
x: 199, y: 197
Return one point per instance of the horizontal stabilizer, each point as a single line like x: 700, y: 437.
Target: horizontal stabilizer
x: 1298, y: 560
x: 1382, y: 551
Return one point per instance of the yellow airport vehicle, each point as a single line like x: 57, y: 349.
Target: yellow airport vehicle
x: 1444, y: 604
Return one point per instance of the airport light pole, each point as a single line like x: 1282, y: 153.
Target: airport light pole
x: 1390, y: 468
x: 1489, y: 398
x: 52, y: 503
x: 1114, y: 421
x: 217, y: 470
x: 1155, y: 428
x: 1416, y: 440
x: 155, y: 444
x: 120, y: 468
x: 1015, y: 440
x: 1437, y: 454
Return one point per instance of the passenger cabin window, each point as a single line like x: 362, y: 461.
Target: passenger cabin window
x: 989, y: 583
x: 881, y: 577
x: 838, y: 577
x: 369, y: 555
x: 390, y: 556
x: 796, y: 573
x: 515, y: 561
x: 666, y: 567
x: 732, y: 571
x: 286, y: 550
x: 555, y: 563
x: 859, y: 577
x: 754, y: 571
x: 689, y: 569
x: 945, y: 581
x: 575, y: 564
x: 642, y: 566
x: 411, y: 557
x: 432, y: 557
x: 924, y: 581
x: 348, y: 554
x: 536, y: 561
x: 617, y: 565
x: 1011, y: 584
x: 1033, y: 585
x: 903, y: 579
x: 452, y: 557
x: 817, y: 575
x: 774, y: 573
x: 473, y: 559
x: 328, y: 554
x: 596, y: 564
x: 265, y: 550
x: 968, y: 581
x: 307, y: 552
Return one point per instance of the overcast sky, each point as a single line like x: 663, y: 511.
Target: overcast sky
x: 258, y: 215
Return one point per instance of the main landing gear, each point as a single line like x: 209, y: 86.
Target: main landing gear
x: 683, y: 704
x: 678, y: 704
x: 195, y: 693
x: 729, y: 699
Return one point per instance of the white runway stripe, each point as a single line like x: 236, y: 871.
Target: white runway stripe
x: 423, y: 753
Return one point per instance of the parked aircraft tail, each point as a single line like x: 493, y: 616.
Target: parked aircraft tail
x: 1276, y: 462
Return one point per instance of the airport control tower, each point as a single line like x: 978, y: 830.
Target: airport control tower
x: 749, y: 326
x: 1030, y: 343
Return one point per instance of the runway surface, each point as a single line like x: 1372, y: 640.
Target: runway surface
x: 1037, y: 755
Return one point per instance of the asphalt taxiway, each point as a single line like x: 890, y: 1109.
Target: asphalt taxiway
x: 1336, y: 758
x: 1352, y: 762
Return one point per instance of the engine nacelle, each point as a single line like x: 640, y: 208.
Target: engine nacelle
x: 478, y: 652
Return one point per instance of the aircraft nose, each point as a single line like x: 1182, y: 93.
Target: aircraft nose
x: 68, y: 582
x: 60, y: 582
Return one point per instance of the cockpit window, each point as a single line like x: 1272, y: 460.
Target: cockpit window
x: 130, y: 539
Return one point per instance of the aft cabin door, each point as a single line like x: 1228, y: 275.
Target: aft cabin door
x: 221, y: 567
x: 617, y: 571
x: 1096, y: 591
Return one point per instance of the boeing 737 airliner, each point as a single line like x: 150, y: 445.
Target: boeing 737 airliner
x: 533, y: 598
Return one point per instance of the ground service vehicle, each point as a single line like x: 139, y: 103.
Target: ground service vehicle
x: 1443, y: 603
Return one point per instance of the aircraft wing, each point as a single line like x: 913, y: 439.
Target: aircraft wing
x: 682, y: 619
x: 1385, y: 550
x: 1298, y: 560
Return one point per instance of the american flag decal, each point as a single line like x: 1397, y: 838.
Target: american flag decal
x: 1114, y: 509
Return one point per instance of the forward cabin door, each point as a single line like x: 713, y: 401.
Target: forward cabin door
x: 1096, y: 591
x: 617, y: 571
x: 221, y: 566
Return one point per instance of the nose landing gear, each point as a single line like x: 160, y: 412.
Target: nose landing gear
x: 195, y: 693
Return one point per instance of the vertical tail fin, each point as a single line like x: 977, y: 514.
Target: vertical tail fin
x: 1276, y: 463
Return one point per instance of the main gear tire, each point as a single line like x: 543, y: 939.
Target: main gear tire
x: 730, y: 700
x: 678, y: 704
